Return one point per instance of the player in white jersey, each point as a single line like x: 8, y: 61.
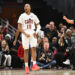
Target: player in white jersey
x: 27, y: 23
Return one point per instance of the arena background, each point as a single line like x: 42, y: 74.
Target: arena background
x: 46, y: 10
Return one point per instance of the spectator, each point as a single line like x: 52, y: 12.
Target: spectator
x: 45, y: 59
x: 20, y: 53
x: 2, y: 57
x: 9, y: 40
x: 39, y: 43
x: 45, y: 39
x: 60, y: 25
x: 2, y: 31
x: 72, y: 57
x: 68, y: 37
x: 51, y: 31
x: 61, y: 33
x: 17, y: 55
x: 6, y: 52
x: 61, y: 55
x: 72, y: 36
x: 1, y: 36
x: 54, y: 44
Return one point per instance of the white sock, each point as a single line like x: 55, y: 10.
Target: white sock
x: 34, y: 62
x: 26, y: 64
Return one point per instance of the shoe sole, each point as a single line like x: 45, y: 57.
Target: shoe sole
x: 27, y: 73
x: 35, y: 69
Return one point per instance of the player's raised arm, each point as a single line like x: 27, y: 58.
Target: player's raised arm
x: 68, y: 20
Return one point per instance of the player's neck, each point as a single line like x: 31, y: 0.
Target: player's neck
x: 28, y: 13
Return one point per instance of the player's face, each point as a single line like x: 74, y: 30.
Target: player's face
x: 27, y: 8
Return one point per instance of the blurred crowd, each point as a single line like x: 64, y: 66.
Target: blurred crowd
x: 55, y: 48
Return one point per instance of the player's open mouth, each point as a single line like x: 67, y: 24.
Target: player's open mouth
x: 26, y: 9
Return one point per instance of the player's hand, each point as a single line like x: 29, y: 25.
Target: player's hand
x: 64, y: 17
x: 35, y: 35
x: 14, y: 43
x: 27, y: 35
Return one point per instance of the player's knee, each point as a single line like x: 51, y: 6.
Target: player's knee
x: 26, y: 51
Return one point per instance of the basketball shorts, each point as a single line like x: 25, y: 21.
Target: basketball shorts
x: 28, y: 42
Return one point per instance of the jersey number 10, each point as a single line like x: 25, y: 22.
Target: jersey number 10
x: 28, y: 26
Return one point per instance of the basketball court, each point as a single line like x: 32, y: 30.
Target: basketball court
x: 41, y: 72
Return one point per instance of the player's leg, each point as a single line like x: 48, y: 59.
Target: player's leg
x: 33, y: 54
x: 25, y: 43
x: 26, y: 51
x: 26, y: 57
x: 33, y: 43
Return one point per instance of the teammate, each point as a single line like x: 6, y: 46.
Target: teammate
x: 27, y: 23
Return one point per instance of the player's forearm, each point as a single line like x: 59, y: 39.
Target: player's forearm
x: 69, y: 21
x: 38, y: 28
x: 17, y: 34
x: 20, y: 29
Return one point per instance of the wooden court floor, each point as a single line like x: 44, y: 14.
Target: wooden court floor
x: 41, y: 72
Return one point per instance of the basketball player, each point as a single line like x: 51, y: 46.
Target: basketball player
x: 26, y: 25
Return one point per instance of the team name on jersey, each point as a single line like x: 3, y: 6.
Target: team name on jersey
x: 29, y: 21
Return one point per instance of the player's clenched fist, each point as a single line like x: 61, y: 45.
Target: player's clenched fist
x: 27, y: 35
x: 35, y: 35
